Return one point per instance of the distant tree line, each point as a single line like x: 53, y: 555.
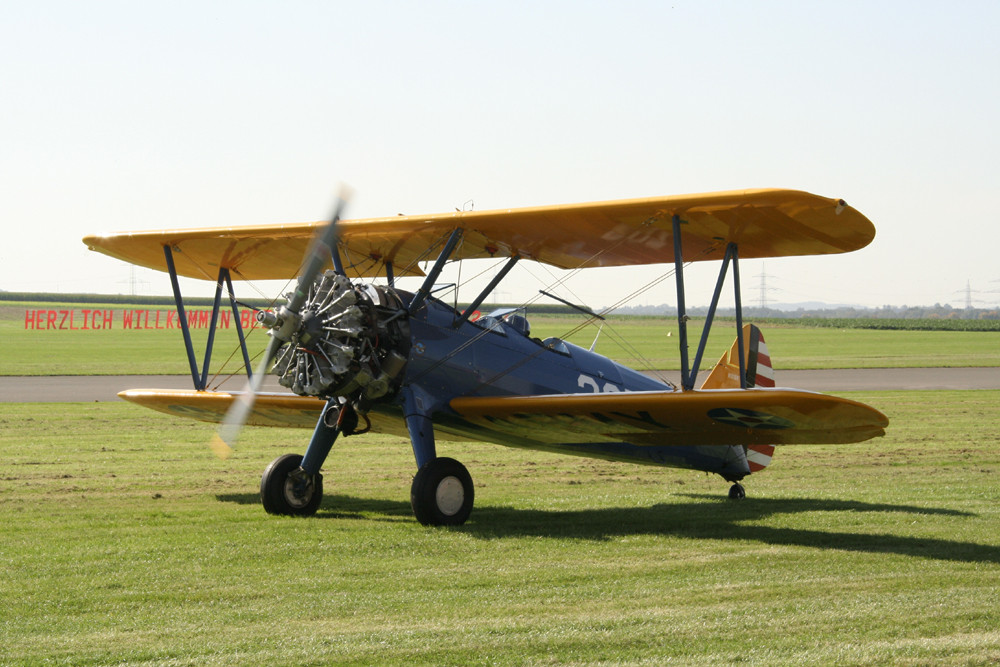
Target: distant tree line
x: 936, y: 312
x: 936, y: 317
x: 887, y: 323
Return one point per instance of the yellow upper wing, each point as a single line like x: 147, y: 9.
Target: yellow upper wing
x: 765, y: 223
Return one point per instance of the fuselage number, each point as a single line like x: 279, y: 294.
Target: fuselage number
x: 591, y: 384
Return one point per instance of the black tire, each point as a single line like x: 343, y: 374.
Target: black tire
x: 282, y: 494
x: 737, y: 492
x: 442, y: 493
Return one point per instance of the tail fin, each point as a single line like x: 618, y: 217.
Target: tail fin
x: 726, y: 375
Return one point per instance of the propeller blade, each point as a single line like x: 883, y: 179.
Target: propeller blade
x: 225, y: 438
x: 318, y: 255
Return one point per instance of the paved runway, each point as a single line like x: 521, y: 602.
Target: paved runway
x: 68, y: 389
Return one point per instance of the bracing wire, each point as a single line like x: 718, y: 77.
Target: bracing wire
x: 589, y: 320
x: 459, y: 348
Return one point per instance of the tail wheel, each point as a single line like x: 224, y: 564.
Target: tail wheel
x: 286, y: 489
x: 736, y: 491
x: 442, y: 493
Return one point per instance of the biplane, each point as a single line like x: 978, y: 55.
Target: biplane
x: 358, y: 352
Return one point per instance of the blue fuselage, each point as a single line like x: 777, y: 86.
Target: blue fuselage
x: 490, y: 357
x: 493, y: 357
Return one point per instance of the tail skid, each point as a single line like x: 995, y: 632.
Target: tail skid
x: 759, y: 373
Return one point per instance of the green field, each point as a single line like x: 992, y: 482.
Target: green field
x: 126, y: 543
x: 643, y: 343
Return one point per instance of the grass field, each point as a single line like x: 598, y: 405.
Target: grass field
x: 125, y: 542
x: 637, y: 342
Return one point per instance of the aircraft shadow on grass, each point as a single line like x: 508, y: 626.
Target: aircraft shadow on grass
x: 710, y: 519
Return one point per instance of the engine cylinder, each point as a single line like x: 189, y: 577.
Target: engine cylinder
x: 351, y: 340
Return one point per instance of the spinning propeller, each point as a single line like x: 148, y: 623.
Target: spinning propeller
x: 284, y: 324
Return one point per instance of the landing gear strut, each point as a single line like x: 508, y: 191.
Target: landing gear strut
x: 736, y: 492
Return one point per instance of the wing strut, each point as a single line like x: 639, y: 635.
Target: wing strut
x: 689, y: 373
x: 236, y: 318
x: 682, y: 318
x: 478, y: 301
x: 338, y: 264
x: 200, y: 380
x: 179, y: 302
x: 739, y: 317
x: 432, y: 275
x: 730, y: 254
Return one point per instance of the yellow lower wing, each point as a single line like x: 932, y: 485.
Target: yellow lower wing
x: 718, y: 417
x: 211, y: 406
x: 723, y: 417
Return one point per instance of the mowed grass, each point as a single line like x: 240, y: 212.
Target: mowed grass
x: 124, y: 542
x: 642, y: 343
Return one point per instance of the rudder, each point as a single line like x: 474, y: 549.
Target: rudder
x: 760, y: 373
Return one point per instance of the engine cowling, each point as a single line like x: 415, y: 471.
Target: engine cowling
x: 349, y: 340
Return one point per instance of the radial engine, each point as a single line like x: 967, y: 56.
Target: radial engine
x: 349, y: 340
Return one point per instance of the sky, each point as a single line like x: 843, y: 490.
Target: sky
x: 122, y: 116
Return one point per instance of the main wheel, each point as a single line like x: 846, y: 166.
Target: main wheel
x: 736, y: 491
x: 283, y: 491
x: 442, y: 493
